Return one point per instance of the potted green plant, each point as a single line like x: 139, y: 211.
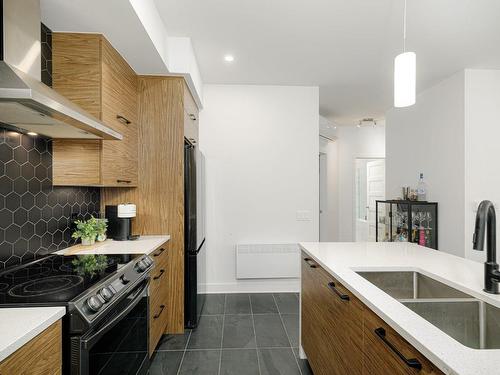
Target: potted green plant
x: 101, y: 226
x: 86, y: 230
x: 90, y: 265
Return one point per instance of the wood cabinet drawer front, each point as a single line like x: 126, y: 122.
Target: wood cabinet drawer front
x: 40, y: 356
x: 157, y: 319
x: 158, y: 283
x: 381, y: 357
x: 332, y: 323
x: 160, y: 254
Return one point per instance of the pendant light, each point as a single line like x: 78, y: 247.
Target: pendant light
x: 405, y: 74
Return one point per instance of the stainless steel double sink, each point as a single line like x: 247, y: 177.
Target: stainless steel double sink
x: 472, y: 322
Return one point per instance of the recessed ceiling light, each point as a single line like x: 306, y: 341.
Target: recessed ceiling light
x: 228, y: 58
x: 32, y: 133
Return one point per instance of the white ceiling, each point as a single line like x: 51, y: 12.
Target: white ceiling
x: 346, y: 47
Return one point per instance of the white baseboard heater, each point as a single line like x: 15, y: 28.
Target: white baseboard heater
x: 267, y: 261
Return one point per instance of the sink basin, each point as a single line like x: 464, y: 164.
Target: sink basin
x: 471, y: 322
x: 411, y: 285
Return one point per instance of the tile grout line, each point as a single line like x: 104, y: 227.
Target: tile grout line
x: 288, y: 337
x: 222, y: 335
x: 254, y: 334
x: 184, y: 352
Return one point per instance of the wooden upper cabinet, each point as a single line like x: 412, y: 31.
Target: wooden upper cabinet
x: 91, y: 73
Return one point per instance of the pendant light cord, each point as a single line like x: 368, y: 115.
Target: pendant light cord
x: 404, y: 29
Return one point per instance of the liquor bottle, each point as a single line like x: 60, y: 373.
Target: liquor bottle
x: 422, y: 189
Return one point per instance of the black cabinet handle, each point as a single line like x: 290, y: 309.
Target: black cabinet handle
x: 162, y: 307
x: 159, y: 252
x: 310, y: 263
x: 410, y: 362
x: 344, y: 297
x: 159, y: 275
x: 192, y: 116
x: 124, y: 181
x: 123, y: 119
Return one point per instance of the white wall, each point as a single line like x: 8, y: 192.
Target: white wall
x: 429, y: 138
x: 329, y: 225
x: 261, y: 149
x: 352, y: 143
x: 482, y: 173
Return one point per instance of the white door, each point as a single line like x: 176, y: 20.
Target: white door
x: 323, y: 208
x: 375, y: 179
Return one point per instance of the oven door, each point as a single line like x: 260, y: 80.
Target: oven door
x: 119, y: 343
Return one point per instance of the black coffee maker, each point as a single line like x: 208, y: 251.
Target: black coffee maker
x: 120, y: 221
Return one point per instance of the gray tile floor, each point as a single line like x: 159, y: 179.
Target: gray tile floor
x: 238, y: 334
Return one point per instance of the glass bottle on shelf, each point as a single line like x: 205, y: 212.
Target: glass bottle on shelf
x: 421, y: 189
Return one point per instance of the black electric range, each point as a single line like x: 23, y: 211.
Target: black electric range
x: 105, y: 330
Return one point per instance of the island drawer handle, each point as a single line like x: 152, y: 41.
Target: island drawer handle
x: 161, y: 310
x: 411, y: 362
x: 344, y: 297
x: 159, y: 252
x: 124, y: 181
x: 159, y: 275
x: 310, y: 263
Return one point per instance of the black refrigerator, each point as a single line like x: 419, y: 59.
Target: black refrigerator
x: 193, y: 244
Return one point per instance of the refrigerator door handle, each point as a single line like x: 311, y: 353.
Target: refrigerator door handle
x: 199, y: 247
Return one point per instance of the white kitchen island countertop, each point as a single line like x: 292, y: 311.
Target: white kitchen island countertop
x: 143, y: 245
x: 20, y: 325
x: 342, y: 260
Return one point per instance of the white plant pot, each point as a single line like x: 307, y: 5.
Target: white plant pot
x: 88, y: 241
x: 101, y: 237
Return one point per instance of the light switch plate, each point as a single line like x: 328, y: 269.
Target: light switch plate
x: 303, y: 215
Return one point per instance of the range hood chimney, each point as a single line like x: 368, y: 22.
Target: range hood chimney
x: 25, y: 102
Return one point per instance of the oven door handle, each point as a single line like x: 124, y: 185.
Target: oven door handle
x: 88, y: 342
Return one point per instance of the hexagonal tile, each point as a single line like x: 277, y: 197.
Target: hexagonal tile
x: 12, y: 201
x: 5, y: 248
x: 40, y: 144
x: 40, y: 200
x: 6, y: 218
x: 46, y: 160
x: 52, y: 198
x: 34, y: 214
x: 57, y: 237
x: 20, y: 216
x: 67, y: 210
x: 34, y: 243
x: 46, y: 240
x: 20, y: 185
x: 28, y: 171
x: 13, y: 139
x: 40, y: 172
x: 6, y: 153
x: 12, y: 169
x: 34, y: 186
x: 62, y: 223
x: 47, y: 213
x: 6, y: 185
x: 20, y: 247
x: 46, y: 185
x: 20, y: 155
x: 28, y: 201
x: 28, y: 142
x: 52, y: 225
x: 2, y: 202
x: 27, y: 230
x: 2, y: 235
x: 34, y: 157
x: 57, y: 211
x: 40, y: 228
x: 12, y: 233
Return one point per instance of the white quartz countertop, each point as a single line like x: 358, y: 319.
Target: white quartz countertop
x: 341, y: 260
x: 143, y: 245
x: 20, y: 325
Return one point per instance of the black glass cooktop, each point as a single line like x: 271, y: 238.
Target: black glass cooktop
x: 55, y: 279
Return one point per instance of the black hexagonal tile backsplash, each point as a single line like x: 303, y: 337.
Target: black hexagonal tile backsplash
x: 36, y: 217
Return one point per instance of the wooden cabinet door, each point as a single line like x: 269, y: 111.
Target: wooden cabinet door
x: 332, y: 334
x: 386, y: 352
x: 119, y: 111
x: 40, y: 356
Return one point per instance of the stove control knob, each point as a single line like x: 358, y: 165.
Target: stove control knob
x: 94, y: 303
x: 106, y: 294
x: 124, y: 279
x: 147, y: 259
x: 141, y: 266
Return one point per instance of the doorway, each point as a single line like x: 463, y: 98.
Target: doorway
x: 323, y: 189
x: 369, y: 187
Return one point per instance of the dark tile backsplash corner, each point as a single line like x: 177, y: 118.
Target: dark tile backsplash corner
x: 35, y: 217
x: 46, y: 58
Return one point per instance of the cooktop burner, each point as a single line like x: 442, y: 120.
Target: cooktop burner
x: 56, y: 279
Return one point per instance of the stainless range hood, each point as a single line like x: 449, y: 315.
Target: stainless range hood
x: 25, y: 102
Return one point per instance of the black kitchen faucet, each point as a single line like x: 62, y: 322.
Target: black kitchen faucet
x: 486, y: 221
